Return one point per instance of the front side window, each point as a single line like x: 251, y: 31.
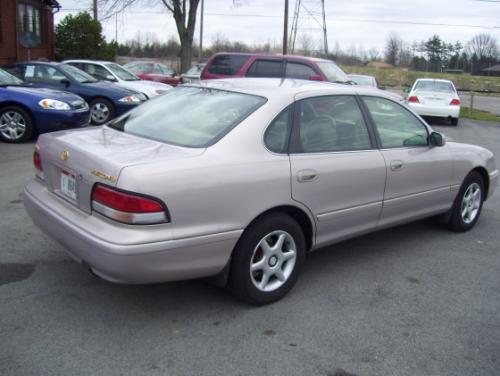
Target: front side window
x: 396, y: 126
x: 266, y: 68
x: 30, y: 20
x: 96, y: 71
x: 276, y: 136
x: 298, y: 70
x: 189, y: 116
x: 121, y: 72
x: 331, y: 123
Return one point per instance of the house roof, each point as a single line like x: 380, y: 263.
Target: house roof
x: 494, y: 68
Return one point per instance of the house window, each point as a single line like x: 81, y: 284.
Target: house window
x: 30, y: 19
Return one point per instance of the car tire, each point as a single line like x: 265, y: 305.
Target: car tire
x: 16, y: 124
x: 267, y: 259
x: 454, y: 121
x: 468, y: 204
x: 101, y: 111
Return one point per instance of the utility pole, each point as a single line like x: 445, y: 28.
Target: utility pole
x: 201, y: 32
x: 285, y: 29
x: 94, y: 9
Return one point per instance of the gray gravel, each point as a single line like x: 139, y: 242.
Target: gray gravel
x: 413, y: 300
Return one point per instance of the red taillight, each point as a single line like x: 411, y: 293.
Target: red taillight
x: 413, y: 99
x: 37, y: 161
x: 455, y: 102
x: 127, y: 207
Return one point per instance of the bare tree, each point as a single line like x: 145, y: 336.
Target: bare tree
x: 392, y: 48
x: 306, y: 44
x: 184, y: 12
x: 484, y: 46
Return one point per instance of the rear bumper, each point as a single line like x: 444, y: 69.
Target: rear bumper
x: 49, y: 121
x: 441, y: 111
x: 127, y: 261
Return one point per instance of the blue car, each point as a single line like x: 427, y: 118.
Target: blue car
x: 26, y: 110
x: 105, y: 99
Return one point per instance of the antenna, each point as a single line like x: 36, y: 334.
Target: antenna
x: 309, y: 16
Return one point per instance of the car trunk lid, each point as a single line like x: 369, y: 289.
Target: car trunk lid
x: 434, y: 98
x: 73, y: 161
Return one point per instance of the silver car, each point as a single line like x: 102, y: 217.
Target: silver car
x: 240, y: 178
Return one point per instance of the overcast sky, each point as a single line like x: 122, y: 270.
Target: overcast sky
x: 350, y: 23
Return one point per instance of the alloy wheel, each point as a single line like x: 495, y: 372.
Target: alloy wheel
x: 273, y: 261
x: 12, y: 125
x: 99, y: 112
x: 471, y: 203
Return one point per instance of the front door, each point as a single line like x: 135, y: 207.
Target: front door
x: 335, y: 169
x: 418, y: 175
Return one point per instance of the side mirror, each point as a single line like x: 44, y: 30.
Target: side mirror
x: 65, y: 82
x: 110, y: 77
x: 437, y: 139
x: 406, y: 90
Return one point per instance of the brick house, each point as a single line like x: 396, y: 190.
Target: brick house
x: 20, y: 16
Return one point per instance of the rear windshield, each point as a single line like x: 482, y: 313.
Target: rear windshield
x: 362, y: 80
x: 332, y: 72
x: 227, y: 64
x: 441, y: 86
x: 189, y: 116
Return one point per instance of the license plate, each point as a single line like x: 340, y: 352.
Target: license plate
x: 68, y: 184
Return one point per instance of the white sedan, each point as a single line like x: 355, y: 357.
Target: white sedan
x: 109, y: 71
x: 434, y: 97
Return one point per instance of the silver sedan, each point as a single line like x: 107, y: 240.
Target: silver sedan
x: 240, y: 179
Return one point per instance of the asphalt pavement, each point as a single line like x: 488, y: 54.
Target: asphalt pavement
x: 412, y: 300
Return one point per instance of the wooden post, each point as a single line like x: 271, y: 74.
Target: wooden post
x: 471, y: 103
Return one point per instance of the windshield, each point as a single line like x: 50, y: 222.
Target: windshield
x: 8, y: 79
x: 441, y: 86
x: 332, y: 72
x: 189, y: 116
x: 121, y: 72
x: 76, y: 74
x: 362, y: 80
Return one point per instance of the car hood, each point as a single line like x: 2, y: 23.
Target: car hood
x: 43, y: 93
x: 111, y: 88
x: 147, y: 87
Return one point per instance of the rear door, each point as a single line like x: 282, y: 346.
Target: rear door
x: 336, y: 170
x: 419, y: 175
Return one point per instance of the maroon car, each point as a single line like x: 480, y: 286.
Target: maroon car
x: 227, y: 65
x: 154, y: 72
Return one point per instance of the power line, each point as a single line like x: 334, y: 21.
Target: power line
x: 338, y: 19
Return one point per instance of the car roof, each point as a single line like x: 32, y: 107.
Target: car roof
x: 88, y: 61
x: 286, y: 88
x: 264, y: 55
x: 433, y: 79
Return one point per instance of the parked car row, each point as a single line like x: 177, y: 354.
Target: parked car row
x: 102, y: 89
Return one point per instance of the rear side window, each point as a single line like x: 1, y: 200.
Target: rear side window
x: 276, y: 136
x: 227, y: 64
x: 189, y: 116
x: 298, y: 70
x: 332, y: 123
x: 266, y: 68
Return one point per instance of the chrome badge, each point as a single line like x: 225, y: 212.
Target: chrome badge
x: 104, y: 176
x: 64, y: 155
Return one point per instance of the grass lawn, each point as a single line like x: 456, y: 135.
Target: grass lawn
x: 478, y: 115
x: 404, y: 78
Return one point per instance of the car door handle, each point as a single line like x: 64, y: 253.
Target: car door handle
x: 397, y: 165
x: 307, y: 175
